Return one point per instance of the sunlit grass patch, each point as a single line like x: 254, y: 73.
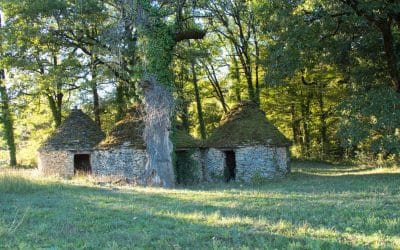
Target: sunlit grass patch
x: 11, y: 183
x: 318, y: 207
x: 14, y: 181
x: 326, y: 169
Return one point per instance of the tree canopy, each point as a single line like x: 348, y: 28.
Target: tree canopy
x: 326, y: 73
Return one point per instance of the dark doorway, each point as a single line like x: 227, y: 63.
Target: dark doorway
x: 82, y: 163
x: 230, y: 166
x: 180, y: 166
x: 185, y: 168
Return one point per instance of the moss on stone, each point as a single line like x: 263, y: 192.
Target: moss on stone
x: 184, y: 140
x: 128, y: 131
x: 246, y: 124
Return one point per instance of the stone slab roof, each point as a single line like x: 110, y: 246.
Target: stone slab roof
x: 183, y: 140
x: 129, y: 132
x: 243, y: 125
x: 77, y: 132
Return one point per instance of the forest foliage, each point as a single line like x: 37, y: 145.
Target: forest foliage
x: 326, y: 73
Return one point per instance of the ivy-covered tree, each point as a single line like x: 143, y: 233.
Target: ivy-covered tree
x: 6, y: 119
x: 160, y: 38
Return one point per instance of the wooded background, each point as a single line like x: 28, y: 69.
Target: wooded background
x: 327, y: 73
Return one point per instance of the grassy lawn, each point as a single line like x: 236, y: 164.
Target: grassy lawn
x: 318, y: 207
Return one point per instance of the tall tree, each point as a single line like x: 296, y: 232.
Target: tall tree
x: 158, y: 100
x: 383, y: 16
x: 336, y: 43
x: 5, y: 114
x: 54, y: 66
x: 235, y: 24
x: 199, y: 107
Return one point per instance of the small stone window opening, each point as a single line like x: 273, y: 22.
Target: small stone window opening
x: 82, y: 164
x: 230, y: 165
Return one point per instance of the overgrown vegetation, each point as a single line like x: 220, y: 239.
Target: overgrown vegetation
x: 186, y: 169
x: 246, y: 124
x: 319, y: 206
x: 128, y: 130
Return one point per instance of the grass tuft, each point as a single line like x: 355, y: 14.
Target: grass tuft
x: 10, y: 183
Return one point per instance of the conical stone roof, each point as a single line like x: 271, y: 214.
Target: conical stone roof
x: 244, y: 125
x: 183, y: 140
x: 77, y: 132
x: 128, y: 131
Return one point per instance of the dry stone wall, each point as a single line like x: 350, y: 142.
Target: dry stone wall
x: 119, y: 162
x: 196, y: 158
x: 260, y: 162
x: 214, y: 165
x: 283, y: 160
x: 252, y: 162
x: 56, y: 163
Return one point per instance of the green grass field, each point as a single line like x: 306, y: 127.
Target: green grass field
x: 317, y: 207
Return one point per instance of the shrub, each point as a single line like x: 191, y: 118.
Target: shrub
x: 186, y: 169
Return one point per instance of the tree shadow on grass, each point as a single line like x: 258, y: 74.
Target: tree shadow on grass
x: 364, y: 204
x: 97, y: 218
x: 336, y: 170
x: 62, y: 215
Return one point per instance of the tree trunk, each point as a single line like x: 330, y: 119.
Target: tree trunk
x: 159, y: 106
x: 7, y: 120
x: 158, y: 100
x: 246, y: 65
x: 237, y: 77
x: 96, y: 104
x: 295, y: 124
x: 185, y: 116
x: 305, y: 112
x: 391, y: 56
x: 212, y: 77
x: 55, y: 108
x: 157, y: 97
x: 323, y: 128
x: 120, y: 101
x: 183, y: 110
x: 55, y: 98
x: 243, y: 52
x: 385, y: 27
x: 6, y: 117
x: 198, y: 103
x: 257, y: 59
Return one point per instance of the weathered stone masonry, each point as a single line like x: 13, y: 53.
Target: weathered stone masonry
x: 245, y: 139
x: 259, y: 149
x: 56, y: 163
x: 260, y: 161
x: 125, y: 162
x: 78, y: 134
x: 214, y: 165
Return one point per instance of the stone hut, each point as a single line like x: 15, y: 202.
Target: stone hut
x: 123, y: 152
x: 246, y: 147
x: 69, y: 149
